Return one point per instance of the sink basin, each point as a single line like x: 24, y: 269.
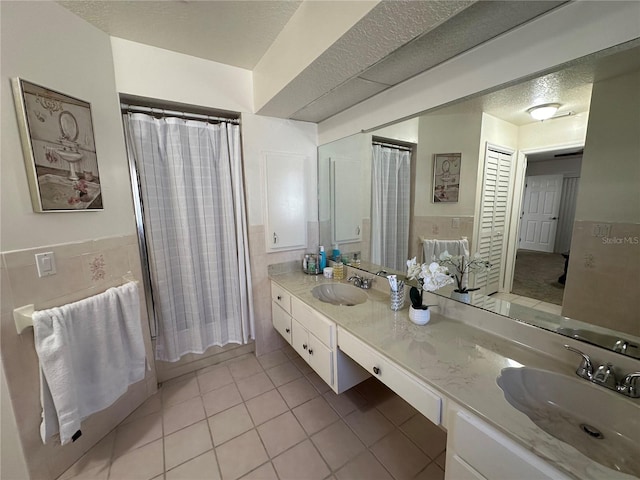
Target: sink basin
x: 603, y: 425
x: 339, y: 294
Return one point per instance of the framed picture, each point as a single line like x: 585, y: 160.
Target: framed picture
x: 59, y: 149
x: 446, y: 177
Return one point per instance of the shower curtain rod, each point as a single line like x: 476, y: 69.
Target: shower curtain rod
x: 185, y: 115
x: 391, y: 145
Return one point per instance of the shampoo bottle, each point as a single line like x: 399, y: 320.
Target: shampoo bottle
x: 323, y: 258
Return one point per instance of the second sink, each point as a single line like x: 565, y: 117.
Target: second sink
x: 339, y: 294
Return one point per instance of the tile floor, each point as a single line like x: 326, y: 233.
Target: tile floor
x: 529, y: 302
x: 269, y: 417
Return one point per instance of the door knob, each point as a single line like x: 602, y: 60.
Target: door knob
x: 376, y: 370
x: 554, y: 218
x: 287, y: 330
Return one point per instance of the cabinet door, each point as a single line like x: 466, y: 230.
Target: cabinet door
x: 299, y: 339
x: 320, y: 359
x: 281, y: 321
x: 285, y: 209
x: 458, y: 469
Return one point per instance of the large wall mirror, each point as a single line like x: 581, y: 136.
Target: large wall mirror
x: 554, y: 205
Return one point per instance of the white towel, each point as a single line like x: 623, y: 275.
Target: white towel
x: 90, y: 352
x: 433, y: 248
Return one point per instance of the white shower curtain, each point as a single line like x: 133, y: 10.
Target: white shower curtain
x: 191, y: 185
x: 390, y: 206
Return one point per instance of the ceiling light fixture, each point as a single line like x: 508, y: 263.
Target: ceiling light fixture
x: 544, y: 111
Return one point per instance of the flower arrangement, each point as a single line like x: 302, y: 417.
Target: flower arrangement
x: 430, y: 277
x: 460, y: 266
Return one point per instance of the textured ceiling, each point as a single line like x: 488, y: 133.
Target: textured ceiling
x: 396, y: 40
x: 235, y: 33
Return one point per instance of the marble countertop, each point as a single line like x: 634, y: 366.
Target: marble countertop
x: 458, y: 360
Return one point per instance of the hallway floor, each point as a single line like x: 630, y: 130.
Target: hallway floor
x: 269, y: 417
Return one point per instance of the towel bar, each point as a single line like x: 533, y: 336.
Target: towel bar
x: 23, y: 316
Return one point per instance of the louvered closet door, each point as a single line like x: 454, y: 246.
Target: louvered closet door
x: 494, y: 215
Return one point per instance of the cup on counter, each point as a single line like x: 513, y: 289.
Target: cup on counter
x: 328, y: 272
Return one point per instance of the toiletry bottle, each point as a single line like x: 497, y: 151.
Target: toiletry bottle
x: 311, y: 264
x: 322, y: 260
x: 336, y: 253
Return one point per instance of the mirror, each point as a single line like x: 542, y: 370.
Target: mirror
x: 579, y: 172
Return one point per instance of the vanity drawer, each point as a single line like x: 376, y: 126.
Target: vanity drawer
x: 479, y: 445
x: 281, y: 321
x: 313, y: 321
x: 281, y: 297
x: 412, y: 390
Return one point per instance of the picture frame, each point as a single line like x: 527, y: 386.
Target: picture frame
x: 446, y: 177
x: 59, y: 150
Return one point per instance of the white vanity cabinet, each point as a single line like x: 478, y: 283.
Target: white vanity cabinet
x: 424, y: 399
x: 477, y: 451
x: 313, y: 336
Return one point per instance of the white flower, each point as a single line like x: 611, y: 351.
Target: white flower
x: 430, y: 276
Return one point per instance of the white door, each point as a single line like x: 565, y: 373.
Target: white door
x: 540, y: 212
x: 494, y: 215
x: 346, y: 213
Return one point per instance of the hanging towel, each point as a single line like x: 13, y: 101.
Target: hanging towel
x: 433, y: 248
x: 90, y: 352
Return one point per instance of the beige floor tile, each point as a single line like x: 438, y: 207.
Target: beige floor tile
x: 203, y: 467
x: 152, y: 405
x: 370, y: 425
x: 254, y: 385
x: 229, y: 424
x: 399, y: 456
x: 272, y: 359
x: 218, y: 400
x: 290, y: 352
x: 364, y: 466
x: 266, y: 406
x: 213, y: 378
x: 337, y: 444
x: 429, y: 438
x: 302, y: 462
x: 346, y: 402
x: 283, y: 373
x: 432, y: 472
x: 318, y: 383
x: 396, y: 410
x: 245, y: 367
x: 140, y: 464
x: 186, y: 444
x: 265, y: 472
x: 281, y: 433
x: 297, y: 392
x: 182, y: 415
x: 180, y: 391
x: 241, y: 455
x: 315, y: 415
x: 95, y: 463
x: 137, y: 433
x: 527, y: 302
x: 302, y: 365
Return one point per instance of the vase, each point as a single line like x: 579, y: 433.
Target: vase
x: 461, y: 296
x: 419, y: 317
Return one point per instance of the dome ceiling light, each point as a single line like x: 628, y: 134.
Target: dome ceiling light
x: 544, y: 111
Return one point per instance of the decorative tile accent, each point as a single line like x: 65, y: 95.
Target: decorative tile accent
x: 97, y: 268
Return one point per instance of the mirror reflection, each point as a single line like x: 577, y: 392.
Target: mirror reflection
x: 553, y: 204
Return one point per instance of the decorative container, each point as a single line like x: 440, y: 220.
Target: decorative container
x: 419, y: 317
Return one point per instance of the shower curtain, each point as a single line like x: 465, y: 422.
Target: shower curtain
x: 390, y: 206
x: 191, y: 187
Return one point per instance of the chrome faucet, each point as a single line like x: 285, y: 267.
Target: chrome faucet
x: 360, y: 282
x: 605, y: 375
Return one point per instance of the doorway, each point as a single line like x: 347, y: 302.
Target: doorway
x: 546, y: 222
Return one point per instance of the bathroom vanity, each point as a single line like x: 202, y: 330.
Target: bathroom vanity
x: 447, y: 370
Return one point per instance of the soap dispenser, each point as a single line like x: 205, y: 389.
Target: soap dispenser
x: 322, y: 260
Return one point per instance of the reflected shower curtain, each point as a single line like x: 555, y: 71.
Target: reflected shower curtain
x: 390, y: 206
x: 191, y: 186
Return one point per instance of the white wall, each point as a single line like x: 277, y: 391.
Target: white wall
x: 552, y: 39
x: 569, y: 167
x: 12, y: 464
x: 157, y: 73
x: 570, y: 130
x: 48, y: 45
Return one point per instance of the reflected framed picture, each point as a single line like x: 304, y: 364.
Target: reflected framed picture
x: 446, y: 177
x: 59, y: 149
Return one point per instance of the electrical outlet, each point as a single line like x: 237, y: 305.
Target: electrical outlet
x: 46, y: 264
x: 601, y: 230
x: 455, y: 222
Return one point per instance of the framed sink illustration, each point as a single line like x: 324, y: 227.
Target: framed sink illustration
x: 59, y: 149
